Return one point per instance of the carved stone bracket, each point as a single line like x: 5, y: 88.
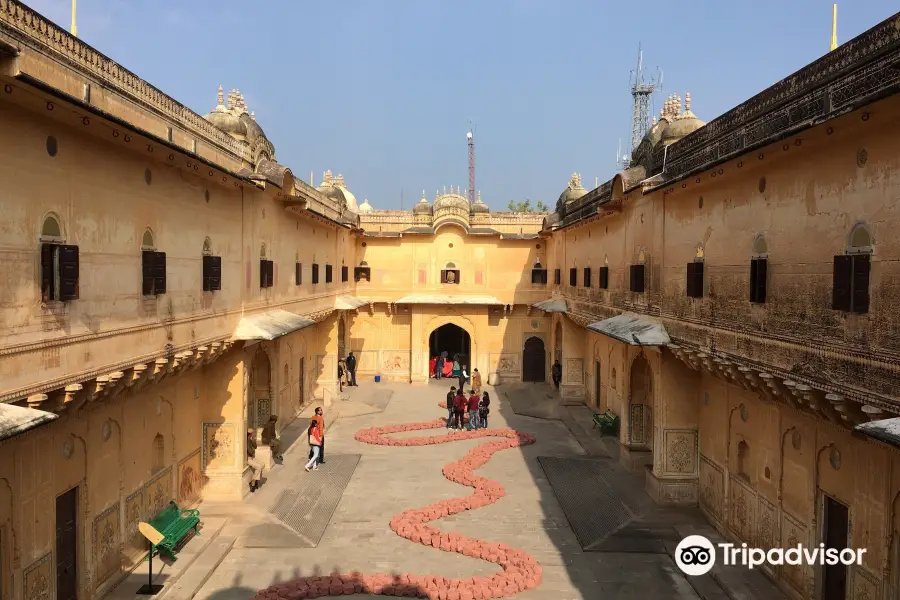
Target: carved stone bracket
x: 320, y: 315
x: 580, y: 319
x: 834, y: 408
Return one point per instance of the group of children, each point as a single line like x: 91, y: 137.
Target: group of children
x: 477, y: 407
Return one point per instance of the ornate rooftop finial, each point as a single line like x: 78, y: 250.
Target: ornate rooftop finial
x: 253, y: 114
x: 328, y: 177
x: 687, y: 102
x: 423, y: 197
x: 340, y: 179
x: 220, y: 97
x: 457, y: 190
x: 445, y: 190
x: 653, y: 121
x: 479, y: 195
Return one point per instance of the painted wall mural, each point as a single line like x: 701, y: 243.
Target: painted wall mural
x: 38, y: 579
x: 574, y: 371
x: 189, y: 479
x: 159, y: 492
x: 507, y: 362
x: 107, y: 561
x: 394, y: 361
x: 135, y: 544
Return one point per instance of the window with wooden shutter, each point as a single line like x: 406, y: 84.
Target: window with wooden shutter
x: 60, y: 272
x: 345, y: 273
x: 539, y: 276
x: 212, y: 273
x: 573, y: 277
x: 587, y: 277
x: 298, y: 273
x: 266, y: 273
x: 362, y: 274
x: 557, y: 276
x: 315, y: 273
x: 695, y: 279
x: 841, y: 293
x: 604, y: 278
x: 862, y: 265
x: 758, y: 278
x: 636, y: 273
x: 159, y: 273
x: 328, y: 274
x: 147, y: 257
x: 450, y: 276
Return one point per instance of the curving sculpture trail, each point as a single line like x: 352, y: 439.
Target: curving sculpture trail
x: 520, y: 571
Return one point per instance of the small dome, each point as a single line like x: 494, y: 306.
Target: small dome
x: 683, y: 124
x: 422, y: 207
x: 573, y: 191
x: 365, y: 207
x: 446, y: 200
x: 479, y: 206
x: 334, y: 188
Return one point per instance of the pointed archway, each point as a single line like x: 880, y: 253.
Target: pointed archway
x: 453, y: 342
x: 534, y: 360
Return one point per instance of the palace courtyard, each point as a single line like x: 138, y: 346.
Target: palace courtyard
x: 336, y: 520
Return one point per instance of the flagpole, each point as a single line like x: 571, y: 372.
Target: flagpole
x: 74, y: 27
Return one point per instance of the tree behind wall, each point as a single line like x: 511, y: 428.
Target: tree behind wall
x: 525, y: 207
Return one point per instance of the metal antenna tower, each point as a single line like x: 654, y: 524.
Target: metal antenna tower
x: 642, y: 92
x: 471, y: 137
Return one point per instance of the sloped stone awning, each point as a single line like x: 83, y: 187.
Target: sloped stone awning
x: 269, y: 325
x: 883, y: 430
x: 557, y: 305
x: 475, y: 299
x: 632, y: 329
x: 349, y: 302
x: 15, y: 420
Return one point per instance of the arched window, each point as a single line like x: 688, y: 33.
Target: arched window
x: 850, y: 285
x: 694, y: 278
x: 450, y: 274
x: 153, y: 266
x: 538, y: 273
x: 612, y: 379
x: 363, y: 272
x: 60, y: 269
x: 759, y: 269
x: 212, y: 268
x: 604, y: 274
x: 159, y: 453
x: 743, y: 460
x: 364, y: 264
x: 637, y: 273
x: 266, y: 269
x: 262, y: 252
x: 147, y: 241
x: 207, y: 247
x: 51, y: 230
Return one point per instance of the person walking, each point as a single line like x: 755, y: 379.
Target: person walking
x: 252, y: 461
x: 476, y: 381
x: 271, y: 439
x: 319, y: 420
x: 556, y: 372
x: 459, y: 407
x: 315, y: 446
x: 484, y: 410
x: 473, y: 410
x: 463, y: 377
x: 450, y: 395
x: 351, y: 366
x: 439, y: 367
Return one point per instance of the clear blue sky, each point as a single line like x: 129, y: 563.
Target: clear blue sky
x: 383, y: 90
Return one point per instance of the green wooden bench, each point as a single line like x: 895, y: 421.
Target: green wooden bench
x: 608, y: 422
x: 175, y: 524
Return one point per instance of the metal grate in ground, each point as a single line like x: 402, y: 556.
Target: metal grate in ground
x: 310, y: 500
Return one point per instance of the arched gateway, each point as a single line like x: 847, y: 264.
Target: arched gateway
x: 534, y: 360
x: 452, y: 340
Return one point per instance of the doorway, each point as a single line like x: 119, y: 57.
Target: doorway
x: 597, y: 386
x: 67, y: 545
x: 640, y: 422
x: 534, y: 361
x: 341, y: 341
x: 835, y: 532
x: 452, y: 340
x: 300, y: 384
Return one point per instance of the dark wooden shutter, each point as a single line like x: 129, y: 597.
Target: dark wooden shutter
x: 328, y: 274
x: 754, y: 274
x: 147, y: 260
x: 695, y: 279
x: 315, y: 273
x: 444, y: 276
x: 212, y: 273
x: 206, y: 269
x: 842, y: 278
x: 604, y: 278
x: 270, y: 273
x: 573, y: 277
x: 862, y: 266
x: 262, y: 273
x: 345, y: 273
x: 68, y: 273
x: 298, y: 273
x: 637, y: 278
x: 47, y: 272
x: 758, y: 271
x: 557, y: 276
x: 587, y: 277
x: 159, y: 273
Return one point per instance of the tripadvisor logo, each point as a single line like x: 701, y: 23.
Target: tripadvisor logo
x: 696, y: 555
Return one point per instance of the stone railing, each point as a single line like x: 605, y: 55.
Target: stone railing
x: 20, y: 21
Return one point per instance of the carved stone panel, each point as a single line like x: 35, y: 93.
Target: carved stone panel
x: 574, y: 371
x: 792, y: 533
x: 159, y: 492
x: 766, y: 525
x: 107, y: 561
x: 681, y: 451
x: 712, y: 487
x: 135, y: 543
x: 742, y: 500
x: 189, y: 481
x: 218, y: 445
x: 507, y: 363
x: 394, y: 361
x: 38, y: 579
x: 864, y: 586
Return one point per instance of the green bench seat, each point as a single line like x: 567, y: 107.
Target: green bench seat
x: 174, y: 523
x: 608, y: 422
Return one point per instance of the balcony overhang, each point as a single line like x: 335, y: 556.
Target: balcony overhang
x: 16, y: 420
x: 269, y: 325
x: 553, y: 305
x: 472, y: 299
x: 632, y: 329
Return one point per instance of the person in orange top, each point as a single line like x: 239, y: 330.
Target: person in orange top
x: 319, y: 420
x: 315, y: 445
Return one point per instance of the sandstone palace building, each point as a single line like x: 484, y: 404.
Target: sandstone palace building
x: 166, y: 284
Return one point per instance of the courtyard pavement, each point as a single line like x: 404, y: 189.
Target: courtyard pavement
x: 337, y: 519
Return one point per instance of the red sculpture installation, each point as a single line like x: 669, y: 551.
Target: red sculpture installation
x: 520, y: 570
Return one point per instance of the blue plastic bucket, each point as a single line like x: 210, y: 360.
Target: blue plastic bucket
x: 377, y: 378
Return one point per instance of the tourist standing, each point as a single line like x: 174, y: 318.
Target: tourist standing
x: 431, y: 364
x: 270, y: 438
x: 556, y: 372
x: 252, y: 462
x: 351, y: 366
x: 439, y: 367
x: 319, y: 420
x: 341, y: 374
x: 473, y: 410
x: 450, y: 395
x: 315, y: 446
x: 459, y: 407
x: 484, y: 409
x: 476, y: 381
x: 463, y: 377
